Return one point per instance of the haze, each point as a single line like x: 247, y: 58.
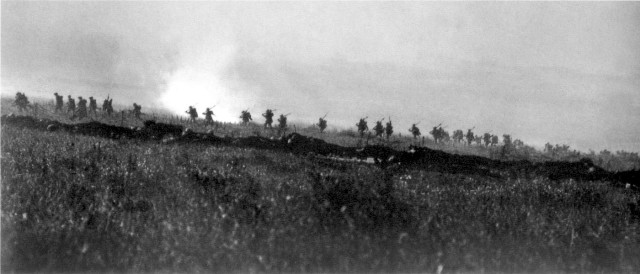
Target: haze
x: 565, y: 73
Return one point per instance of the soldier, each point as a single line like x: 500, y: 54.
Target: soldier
x: 506, y: 139
x: 71, y: 104
x: 82, y: 108
x: 59, y: 102
x: 435, y: 133
x: 458, y: 135
x: 268, y: 118
x: 107, y: 106
x: 137, y: 110
x: 22, y: 102
x: 378, y: 129
x: 322, y: 124
x: 208, y: 118
x: 193, y: 114
x: 282, y: 123
x: 469, y: 136
x: 494, y: 140
x: 362, y: 126
x: 414, y: 131
x: 478, y: 140
x: 487, y: 139
x: 388, y: 129
x: 444, y: 136
x: 246, y: 117
x: 93, y: 106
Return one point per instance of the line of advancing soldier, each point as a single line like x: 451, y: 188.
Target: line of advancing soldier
x: 82, y: 110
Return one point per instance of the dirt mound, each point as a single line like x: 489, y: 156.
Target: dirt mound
x: 415, y: 157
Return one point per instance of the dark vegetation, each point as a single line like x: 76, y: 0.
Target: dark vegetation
x: 385, y: 157
x: 101, y: 198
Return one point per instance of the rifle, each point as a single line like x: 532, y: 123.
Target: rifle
x: 325, y: 116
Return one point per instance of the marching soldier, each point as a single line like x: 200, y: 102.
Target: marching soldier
x: 322, y: 124
x: 93, y: 105
x: 268, y: 118
x: 415, y: 131
x: 469, y: 136
x: 208, y: 116
x: 107, y: 106
x: 137, y: 110
x: 487, y: 139
x: 494, y: 140
x: 378, y: 129
x: 362, y: 126
x: 193, y: 114
x: 22, y: 102
x: 59, y: 102
x: 71, y: 104
x: 282, y: 123
x: 82, y: 108
x: 246, y: 117
x: 388, y: 129
x: 435, y: 133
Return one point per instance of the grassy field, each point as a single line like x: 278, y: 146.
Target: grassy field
x: 77, y: 203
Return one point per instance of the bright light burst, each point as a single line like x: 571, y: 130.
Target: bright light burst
x: 198, y: 85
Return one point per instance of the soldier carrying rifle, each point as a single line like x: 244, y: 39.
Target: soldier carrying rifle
x: 107, y: 106
x: 415, y: 131
x: 193, y: 114
x: 322, y: 123
x: 208, y: 116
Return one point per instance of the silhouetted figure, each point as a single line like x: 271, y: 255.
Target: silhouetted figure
x: 93, y: 106
x: 22, y: 102
x: 245, y: 116
x: 414, y: 131
x: 71, y: 105
x: 388, y: 130
x: 208, y: 116
x: 322, y: 124
x: 59, y: 102
x: 378, y: 129
x: 137, y: 110
x: 193, y: 114
x: 362, y: 126
x: 469, y: 137
x: 107, y: 106
x: 268, y: 118
x: 282, y: 124
x: 81, y: 112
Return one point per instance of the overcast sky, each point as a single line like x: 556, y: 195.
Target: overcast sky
x: 554, y: 72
